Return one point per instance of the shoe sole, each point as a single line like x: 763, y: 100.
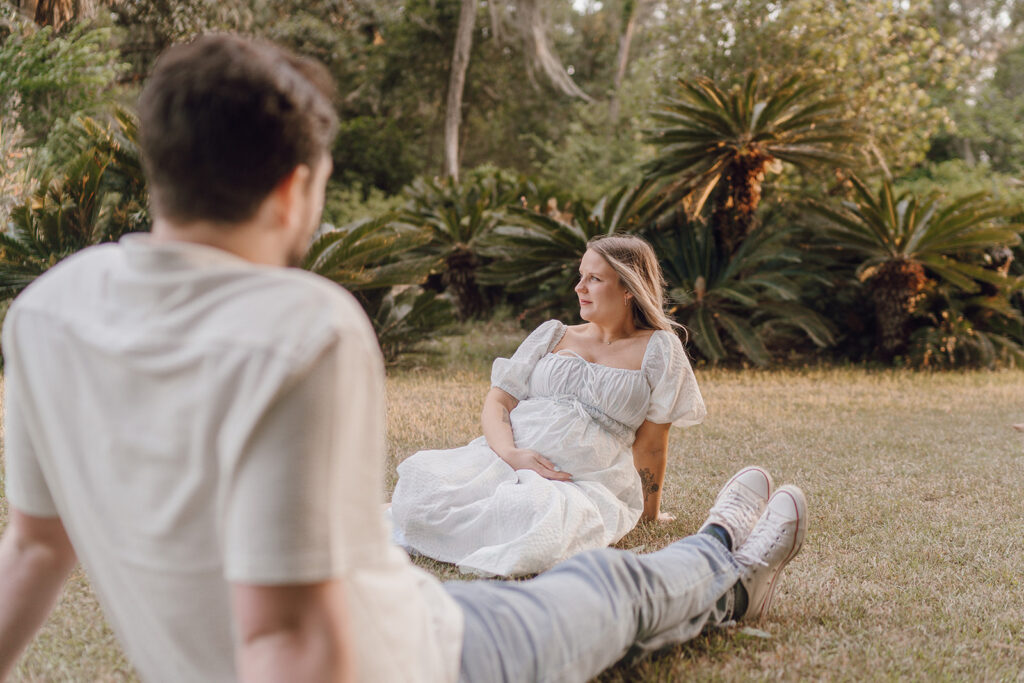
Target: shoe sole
x: 800, y: 502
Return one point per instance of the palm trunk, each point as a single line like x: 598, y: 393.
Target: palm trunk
x: 460, y: 278
x: 736, y: 209
x: 456, y: 86
x: 895, y: 290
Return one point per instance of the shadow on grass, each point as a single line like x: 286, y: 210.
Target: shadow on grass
x: 668, y: 665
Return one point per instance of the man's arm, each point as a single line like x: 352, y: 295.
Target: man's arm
x: 292, y: 633
x: 650, y: 456
x: 35, y: 558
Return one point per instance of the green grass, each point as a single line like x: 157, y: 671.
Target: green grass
x: 913, y: 567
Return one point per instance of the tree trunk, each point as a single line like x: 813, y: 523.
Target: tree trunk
x: 539, y: 52
x: 456, y: 85
x: 625, y: 42
x: 53, y: 12
x: 56, y: 13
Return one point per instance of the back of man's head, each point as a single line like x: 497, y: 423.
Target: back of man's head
x: 223, y: 120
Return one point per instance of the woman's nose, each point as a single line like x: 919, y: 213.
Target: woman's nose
x: 580, y: 286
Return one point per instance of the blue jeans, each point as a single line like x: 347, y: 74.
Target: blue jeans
x: 576, y: 620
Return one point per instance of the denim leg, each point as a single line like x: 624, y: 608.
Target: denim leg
x: 576, y: 620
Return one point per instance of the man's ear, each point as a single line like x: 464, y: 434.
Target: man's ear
x: 288, y: 196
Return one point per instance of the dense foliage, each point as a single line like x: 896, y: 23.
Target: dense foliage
x: 821, y: 179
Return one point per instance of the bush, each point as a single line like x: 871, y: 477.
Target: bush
x: 49, y: 78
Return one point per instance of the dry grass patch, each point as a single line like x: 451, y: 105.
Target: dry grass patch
x: 913, y: 564
x: 912, y: 567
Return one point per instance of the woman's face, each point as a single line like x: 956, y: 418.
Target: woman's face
x: 602, y: 297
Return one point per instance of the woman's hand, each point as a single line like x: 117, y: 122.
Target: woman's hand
x: 496, y: 419
x: 525, y: 459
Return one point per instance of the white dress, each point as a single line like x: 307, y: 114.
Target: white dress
x: 469, y: 507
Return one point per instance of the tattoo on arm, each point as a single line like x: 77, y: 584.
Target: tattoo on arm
x: 505, y: 417
x: 647, y: 481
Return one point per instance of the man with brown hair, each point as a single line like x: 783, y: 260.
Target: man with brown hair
x: 203, y: 428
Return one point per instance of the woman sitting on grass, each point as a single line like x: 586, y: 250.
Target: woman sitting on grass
x: 575, y: 430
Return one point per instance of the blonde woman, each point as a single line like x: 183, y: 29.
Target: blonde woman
x: 576, y: 429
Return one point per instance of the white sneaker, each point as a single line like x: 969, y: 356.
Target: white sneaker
x: 740, y: 503
x: 775, y: 541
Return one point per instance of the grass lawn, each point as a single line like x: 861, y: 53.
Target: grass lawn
x: 913, y: 566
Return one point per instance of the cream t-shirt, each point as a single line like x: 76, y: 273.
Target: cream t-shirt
x: 195, y: 420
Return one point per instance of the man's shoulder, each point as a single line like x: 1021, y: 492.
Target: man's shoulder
x: 285, y: 310
x: 303, y: 299
x: 66, y: 277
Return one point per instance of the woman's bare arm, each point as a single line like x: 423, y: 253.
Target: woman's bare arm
x: 650, y: 457
x: 497, y: 425
x: 496, y: 422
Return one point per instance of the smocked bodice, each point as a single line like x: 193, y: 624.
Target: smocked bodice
x: 617, y: 398
x: 662, y: 390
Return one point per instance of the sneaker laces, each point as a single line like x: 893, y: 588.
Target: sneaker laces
x: 760, y: 541
x: 739, y: 512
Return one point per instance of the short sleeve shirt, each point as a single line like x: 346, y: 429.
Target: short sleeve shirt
x: 197, y: 420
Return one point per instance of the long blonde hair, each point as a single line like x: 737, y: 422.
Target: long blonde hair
x: 633, y: 260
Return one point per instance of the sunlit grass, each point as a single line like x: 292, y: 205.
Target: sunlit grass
x: 914, y: 563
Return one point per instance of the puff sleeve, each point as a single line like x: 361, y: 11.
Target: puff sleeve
x: 512, y: 375
x: 675, y: 396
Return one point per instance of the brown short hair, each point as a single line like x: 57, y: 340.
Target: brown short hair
x: 223, y: 119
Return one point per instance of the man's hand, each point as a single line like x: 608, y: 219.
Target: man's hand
x: 525, y: 459
x: 35, y: 558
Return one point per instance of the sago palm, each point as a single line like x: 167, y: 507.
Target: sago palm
x: 959, y: 330
x: 458, y: 217
x: 904, y: 242
x: 124, y: 175
x: 97, y: 197
x: 742, y: 301
x: 64, y: 215
x: 372, y: 259
x: 719, y: 145
x: 369, y: 254
x: 540, y: 250
x: 406, y: 317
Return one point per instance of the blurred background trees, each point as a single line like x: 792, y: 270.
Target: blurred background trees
x: 823, y: 179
